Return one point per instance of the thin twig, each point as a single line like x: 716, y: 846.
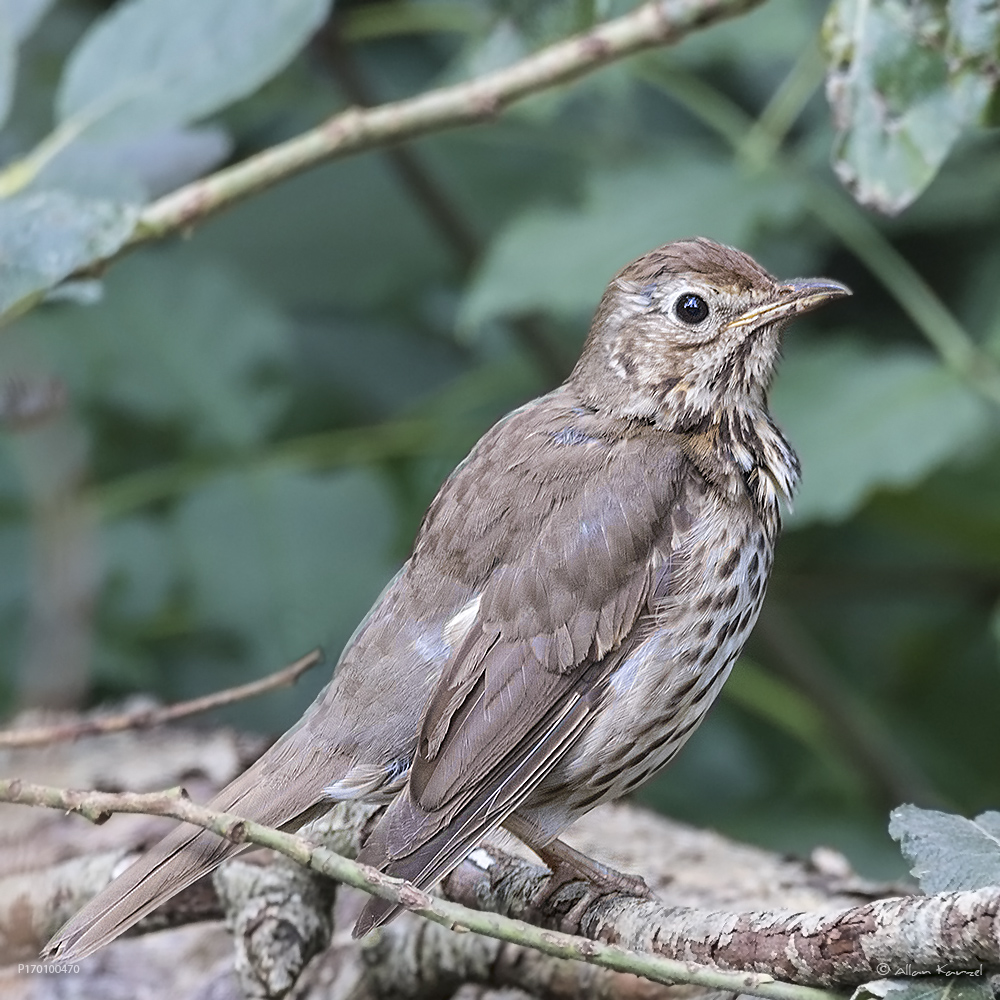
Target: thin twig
x: 96, y: 806
x: 146, y: 718
x: 663, y: 22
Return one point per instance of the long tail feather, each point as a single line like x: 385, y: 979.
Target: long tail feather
x: 284, y: 788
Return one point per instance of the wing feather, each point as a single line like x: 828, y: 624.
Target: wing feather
x: 511, y: 785
x: 564, y: 584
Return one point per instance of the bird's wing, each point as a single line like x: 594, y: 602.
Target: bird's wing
x: 577, y: 530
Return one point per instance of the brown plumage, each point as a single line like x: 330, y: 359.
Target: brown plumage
x: 576, y: 596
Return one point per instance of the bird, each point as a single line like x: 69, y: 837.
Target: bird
x: 574, y: 600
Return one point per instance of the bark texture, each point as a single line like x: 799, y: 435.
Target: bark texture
x: 728, y: 904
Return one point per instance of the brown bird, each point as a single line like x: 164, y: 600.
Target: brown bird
x: 575, y: 598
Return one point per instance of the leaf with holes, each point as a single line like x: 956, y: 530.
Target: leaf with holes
x: 906, y: 78
x: 948, y: 852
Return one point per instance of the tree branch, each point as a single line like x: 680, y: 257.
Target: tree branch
x: 97, y: 806
x: 652, y: 24
x: 951, y: 931
x: 955, y: 931
x: 148, y: 717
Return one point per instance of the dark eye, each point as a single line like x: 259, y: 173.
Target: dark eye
x: 691, y: 308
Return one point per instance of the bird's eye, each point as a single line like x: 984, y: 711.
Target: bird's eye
x: 691, y: 308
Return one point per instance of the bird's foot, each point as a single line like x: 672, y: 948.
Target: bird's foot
x: 569, y: 865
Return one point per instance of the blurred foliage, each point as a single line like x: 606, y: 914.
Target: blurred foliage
x: 214, y: 459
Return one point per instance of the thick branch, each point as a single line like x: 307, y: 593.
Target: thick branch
x: 146, y: 718
x: 416, y: 959
x: 97, y: 806
x: 663, y: 22
x: 953, y: 930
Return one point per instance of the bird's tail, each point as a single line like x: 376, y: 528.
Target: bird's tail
x: 282, y: 789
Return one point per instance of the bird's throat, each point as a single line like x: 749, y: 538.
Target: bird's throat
x: 738, y: 448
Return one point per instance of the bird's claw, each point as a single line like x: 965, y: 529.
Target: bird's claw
x: 569, y: 866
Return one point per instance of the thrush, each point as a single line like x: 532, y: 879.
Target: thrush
x: 575, y: 598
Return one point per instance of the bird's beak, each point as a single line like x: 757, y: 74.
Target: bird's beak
x: 791, y: 298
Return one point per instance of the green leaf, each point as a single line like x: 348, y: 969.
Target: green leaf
x: 283, y: 560
x: 862, y: 420
x: 8, y: 63
x: 138, y: 568
x: 135, y: 168
x: 560, y: 259
x: 45, y: 237
x: 948, y: 852
x: 960, y: 987
x: 153, y: 64
x: 18, y: 19
x: 25, y: 14
x: 176, y: 338
x: 906, y: 79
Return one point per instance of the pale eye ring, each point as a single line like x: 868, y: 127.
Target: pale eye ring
x: 691, y: 308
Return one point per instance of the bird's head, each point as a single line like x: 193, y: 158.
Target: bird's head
x: 690, y: 332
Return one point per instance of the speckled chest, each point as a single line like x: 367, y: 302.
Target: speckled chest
x: 717, y: 560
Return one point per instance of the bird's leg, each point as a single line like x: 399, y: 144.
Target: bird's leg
x: 561, y: 859
x: 567, y: 865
